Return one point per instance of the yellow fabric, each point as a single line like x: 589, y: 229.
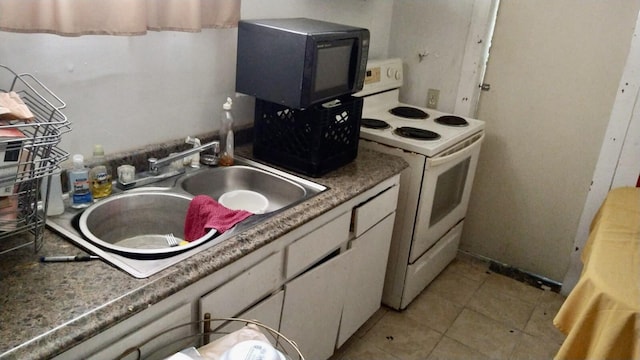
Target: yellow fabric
x: 601, y: 316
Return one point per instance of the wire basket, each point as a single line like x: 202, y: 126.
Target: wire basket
x: 174, y: 339
x: 29, y: 155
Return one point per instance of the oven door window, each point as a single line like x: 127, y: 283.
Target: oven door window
x: 449, y: 190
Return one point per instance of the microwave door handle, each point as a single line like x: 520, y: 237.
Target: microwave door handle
x: 466, y: 150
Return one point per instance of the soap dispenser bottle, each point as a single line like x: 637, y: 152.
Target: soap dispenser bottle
x: 79, y: 183
x: 226, y: 135
x: 100, y: 175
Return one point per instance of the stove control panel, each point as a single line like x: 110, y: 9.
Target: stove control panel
x: 382, y: 75
x: 372, y: 75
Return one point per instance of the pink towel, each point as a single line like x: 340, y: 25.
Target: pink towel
x: 205, y: 213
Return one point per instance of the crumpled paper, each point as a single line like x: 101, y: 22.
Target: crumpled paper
x: 13, y: 108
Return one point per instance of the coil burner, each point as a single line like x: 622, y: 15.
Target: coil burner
x: 415, y: 133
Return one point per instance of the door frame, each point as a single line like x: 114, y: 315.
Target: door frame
x: 619, y: 160
x: 476, y: 55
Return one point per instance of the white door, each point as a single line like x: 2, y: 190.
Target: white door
x: 476, y: 54
x: 554, y: 71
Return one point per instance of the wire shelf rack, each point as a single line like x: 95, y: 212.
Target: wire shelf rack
x: 202, y: 333
x: 27, y: 158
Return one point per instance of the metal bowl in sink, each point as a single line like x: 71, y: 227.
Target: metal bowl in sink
x: 143, y: 223
x: 279, y: 191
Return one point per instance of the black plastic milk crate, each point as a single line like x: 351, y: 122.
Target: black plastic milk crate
x: 311, y: 141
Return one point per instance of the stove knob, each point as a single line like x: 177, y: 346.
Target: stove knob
x: 390, y: 72
x: 393, y: 73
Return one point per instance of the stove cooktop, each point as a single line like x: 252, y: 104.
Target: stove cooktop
x: 381, y: 96
x: 455, y: 130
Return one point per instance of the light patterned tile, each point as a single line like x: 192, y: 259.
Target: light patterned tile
x: 470, y: 267
x: 402, y: 336
x: 541, y: 322
x: 453, y: 286
x: 449, y: 349
x: 488, y: 336
x: 363, y: 350
x: 373, y: 320
x: 503, y: 285
x: 434, y: 311
x: 534, y: 348
x: 508, y: 310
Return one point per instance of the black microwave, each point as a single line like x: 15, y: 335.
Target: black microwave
x: 298, y: 62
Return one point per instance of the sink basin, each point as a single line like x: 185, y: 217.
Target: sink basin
x: 279, y: 191
x: 130, y: 229
x: 139, y: 223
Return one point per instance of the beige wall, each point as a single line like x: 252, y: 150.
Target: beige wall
x: 554, y: 69
x: 164, y: 85
x: 437, y: 29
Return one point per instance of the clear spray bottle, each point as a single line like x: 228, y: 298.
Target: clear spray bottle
x: 226, y: 135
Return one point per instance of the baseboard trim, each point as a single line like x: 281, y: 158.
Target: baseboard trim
x: 534, y: 280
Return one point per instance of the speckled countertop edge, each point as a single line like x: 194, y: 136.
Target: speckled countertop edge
x: 49, y: 308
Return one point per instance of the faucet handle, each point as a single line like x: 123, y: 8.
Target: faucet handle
x: 213, y: 157
x: 153, y: 168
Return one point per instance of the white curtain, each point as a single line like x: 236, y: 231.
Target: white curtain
x: 116, y: 17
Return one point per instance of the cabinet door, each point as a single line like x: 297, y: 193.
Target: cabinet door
x: 156, y: 340
x: 313, y: 305
x: 366, y: 278
x: 315, y: 245
x: 267, y: 312
x: 245, y: 290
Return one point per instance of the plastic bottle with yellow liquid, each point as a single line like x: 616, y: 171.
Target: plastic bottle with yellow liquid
x: 100, y: 175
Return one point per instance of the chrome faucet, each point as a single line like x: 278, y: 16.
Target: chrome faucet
x: 154, y: 174
x: 156, y: 164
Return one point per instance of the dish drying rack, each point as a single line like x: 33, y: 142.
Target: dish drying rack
x: 209, y: 330
x: 26, y: 161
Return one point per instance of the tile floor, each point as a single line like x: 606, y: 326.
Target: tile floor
x: 467, y: 312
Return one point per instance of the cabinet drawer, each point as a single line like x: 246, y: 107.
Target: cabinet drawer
x: 373, y: 210
x: 244, y: 290
x: 155, y: 340
x: 315, y: 245
x: 267, y: 312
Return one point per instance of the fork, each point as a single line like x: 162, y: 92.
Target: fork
x: 172, y: 240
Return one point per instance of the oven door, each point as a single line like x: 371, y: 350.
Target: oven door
x: 445, y: 192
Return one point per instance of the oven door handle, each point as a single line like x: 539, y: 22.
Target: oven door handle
x: 459, y: 151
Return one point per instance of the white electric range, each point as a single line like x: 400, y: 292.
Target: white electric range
x: 442, y: 151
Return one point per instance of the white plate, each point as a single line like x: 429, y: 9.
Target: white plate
x: 244, y: 200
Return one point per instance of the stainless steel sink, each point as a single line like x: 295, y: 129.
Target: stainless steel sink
x: 140, y: 223
x: 130, y: 228
x: 279, y: 191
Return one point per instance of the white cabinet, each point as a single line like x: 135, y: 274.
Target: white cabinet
x: 267, y: 312
x: 164, y: 336
x: 372, y: 228
x: 313, y: 305
x: 366, y: 278
x: 312, y: 247
x: 313, y: 284
x: 245, y: 290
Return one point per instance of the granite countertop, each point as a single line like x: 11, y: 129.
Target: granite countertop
x: 47, y: 308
